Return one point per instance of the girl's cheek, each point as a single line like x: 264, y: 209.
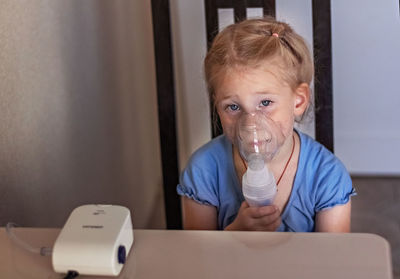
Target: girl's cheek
x: 229, y: 127
x: 230, y: 133
x: 286, y: 126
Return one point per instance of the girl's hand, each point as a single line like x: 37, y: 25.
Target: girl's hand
x: 265, y: 218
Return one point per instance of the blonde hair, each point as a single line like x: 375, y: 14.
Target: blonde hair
x: 254, y: 43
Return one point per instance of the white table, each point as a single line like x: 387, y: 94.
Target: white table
x: 215, y: 254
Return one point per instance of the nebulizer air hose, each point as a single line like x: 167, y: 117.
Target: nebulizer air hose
x: 44, y: 251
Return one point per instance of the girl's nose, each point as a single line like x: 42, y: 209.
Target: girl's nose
x: 252, y: 111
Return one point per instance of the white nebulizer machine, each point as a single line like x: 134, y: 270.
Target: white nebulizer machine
x: 95, y: 240
x: 258, y: 139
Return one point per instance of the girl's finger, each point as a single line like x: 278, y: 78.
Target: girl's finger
x: 259, y: 212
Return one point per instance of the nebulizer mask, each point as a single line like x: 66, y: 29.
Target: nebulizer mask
x: 258, y: 139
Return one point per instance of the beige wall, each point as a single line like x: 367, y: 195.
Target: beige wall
x: 78, y: 110
x: 189, y: 48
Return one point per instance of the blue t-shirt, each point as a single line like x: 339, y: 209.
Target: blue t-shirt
x: 321, y: 182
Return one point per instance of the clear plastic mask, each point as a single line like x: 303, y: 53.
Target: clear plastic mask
x: 258, y: 136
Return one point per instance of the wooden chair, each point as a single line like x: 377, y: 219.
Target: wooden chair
x: 166, y: 89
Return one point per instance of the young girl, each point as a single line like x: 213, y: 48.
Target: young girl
x: 263, y: 65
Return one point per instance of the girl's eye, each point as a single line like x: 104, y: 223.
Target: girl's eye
x: 266, y: 103
x: 233, y: 107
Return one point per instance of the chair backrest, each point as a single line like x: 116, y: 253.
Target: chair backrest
x: 166, y: 111
x: 322, y: 60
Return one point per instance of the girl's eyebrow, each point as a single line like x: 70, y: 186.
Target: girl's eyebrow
x: 227, y: 97
x: 262, y: 92
x: 231, y: 96
x: 265, y: 92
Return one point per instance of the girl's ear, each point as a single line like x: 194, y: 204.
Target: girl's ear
x: 302, y: 99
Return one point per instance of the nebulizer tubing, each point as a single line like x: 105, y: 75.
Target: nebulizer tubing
x: 44, y: 251
x: 258, y: 139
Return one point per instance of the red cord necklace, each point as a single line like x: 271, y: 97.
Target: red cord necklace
x: 287, y: 163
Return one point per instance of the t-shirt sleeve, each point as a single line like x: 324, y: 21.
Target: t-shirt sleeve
x: 198, y: 182
x: 334, y: 186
